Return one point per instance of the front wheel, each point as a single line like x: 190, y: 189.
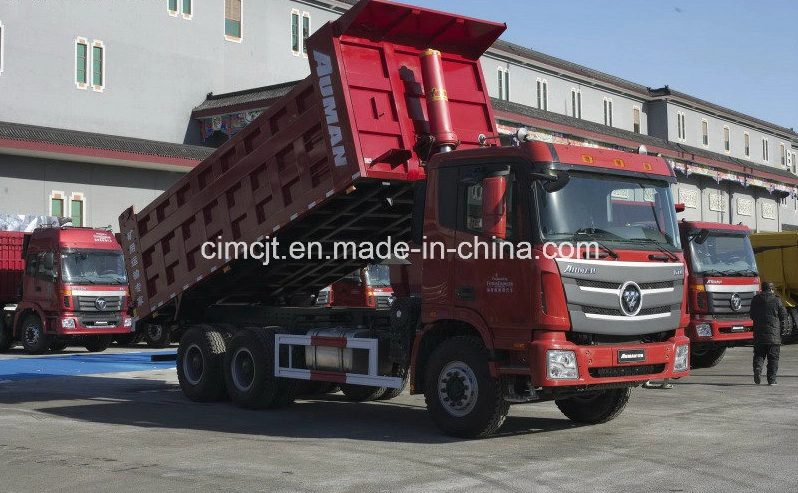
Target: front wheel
x: 462, y: 397
x: 705, y: 356
x: 595, y: 408
x: 34, y: 340
x: 157, y: 335
x: 98, y: 344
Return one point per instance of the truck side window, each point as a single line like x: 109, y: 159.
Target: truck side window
x: 31, y: 265
x: 471, y: 214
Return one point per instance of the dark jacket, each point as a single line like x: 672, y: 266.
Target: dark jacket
x: 768, y: 315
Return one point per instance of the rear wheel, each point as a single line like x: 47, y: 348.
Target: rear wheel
x: 157, y: 335
x: 789, y: 330
x: 462, y: 397
x: 595, y: 408
x: 200, y: 364
x: 393, y: 393
x: 34, y: 340
x: 362, y: 393
x: 98, y: 344
x: 705, y: 355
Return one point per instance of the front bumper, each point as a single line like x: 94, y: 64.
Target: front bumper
x: 72, y: 325
x: 601, y: 365
x: 721, y: 331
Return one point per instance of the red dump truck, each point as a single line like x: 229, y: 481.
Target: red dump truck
x: 389, y: 145
x: 722, y: 281
x: 61, y: 286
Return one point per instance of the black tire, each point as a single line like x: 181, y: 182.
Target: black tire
x: 157, y: 335
x: 705, y: 356
x: 98, y: 344
x: 595, y: 408
x: 58, y: 346
x: 34, y: 340
x: 200, y: 364
x: 287, y: 388
x: 404, y: 314
x: 393, y: 393
x: 249, y: 371
x: 6, y: 334
x: 362, y: 393
x: 789, y: 330
x: 479, y: 398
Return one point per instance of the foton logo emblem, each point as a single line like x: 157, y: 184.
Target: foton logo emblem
x: 570, y: 269
x: 323, y: 70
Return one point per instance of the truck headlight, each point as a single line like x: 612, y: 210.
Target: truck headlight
x: 128, y: 322
x: 561, y: 365
x: 682, y: 361
x: 703, y: 330
x: 67, y: 323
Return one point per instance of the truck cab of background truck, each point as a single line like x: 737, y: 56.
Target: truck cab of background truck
x: 74, y: 288
x: 722, y: 281
x: 564, y: 318
x: 367, y: 287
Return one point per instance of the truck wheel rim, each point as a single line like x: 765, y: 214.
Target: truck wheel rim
x: 243, y: 369
x: 457, y: 389
x: 155, y: 331
x: 193, y: 364
x: 32, y: 334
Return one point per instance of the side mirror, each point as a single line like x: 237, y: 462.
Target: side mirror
x: 552, y: 182
x: 679, y: 207
x: 494, y: 206
x: 701, y: 237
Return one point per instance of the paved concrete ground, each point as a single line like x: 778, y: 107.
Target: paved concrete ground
x: 135, y: 432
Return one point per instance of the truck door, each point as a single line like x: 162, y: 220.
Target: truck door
x: 39, y: 283
x: 488, y: 276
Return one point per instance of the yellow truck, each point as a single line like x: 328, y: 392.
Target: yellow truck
x: 777, y: 261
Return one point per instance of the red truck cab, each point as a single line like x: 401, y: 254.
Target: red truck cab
x: 73, y: 288
x: 367, y: 287
x: 722, y: 281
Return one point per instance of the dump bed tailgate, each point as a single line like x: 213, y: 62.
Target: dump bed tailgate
x: 320, y: 164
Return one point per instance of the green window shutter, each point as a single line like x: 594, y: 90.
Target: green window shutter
x: 97, y: 62
x: 295, y: 32
x: 77, y: 212
x: 80, y: 61
x: 173, y: 5
x: 57, y: 207
x: 187, y: 7
x: 305, y: 33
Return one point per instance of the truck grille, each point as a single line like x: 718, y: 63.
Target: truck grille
x: 721, y: 303
x: 609, y: 311
x: 627, y: 371
x: 88, y: 303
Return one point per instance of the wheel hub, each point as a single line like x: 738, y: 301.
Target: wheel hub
x: 243, y: 369
x: 193, y: 364
x: 32, y: 335
x: 457, y: 388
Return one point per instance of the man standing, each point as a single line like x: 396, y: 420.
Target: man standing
x: 768, y: 315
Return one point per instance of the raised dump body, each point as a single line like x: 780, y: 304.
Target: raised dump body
x: 332, y: 160
x: 777, y: 260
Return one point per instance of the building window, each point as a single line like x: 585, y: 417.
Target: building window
x: 171, y: 7
x: 305, y: 32
x: 76, y: 209
x: 783, y: 155
x: 608, y: 112
x: 57, y: 203
x: 704, y: 132
x: 81, y: 63
x: 636, y: 119
x: 765, y: 150
x: 543, y: 94
x: 504, y: 84
x: 576, y: 103
x: 793, y: 165
x: 187, y: 8
x: 681, y: 130
x: 232, y: 20
x: 747, y: 144
x: 726, y: 139
x: 97, y: 65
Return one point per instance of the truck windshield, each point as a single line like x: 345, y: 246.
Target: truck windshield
x: 378, y: 276
x: 626, y: 212
x: 723, y: 255
x: 93, y: 267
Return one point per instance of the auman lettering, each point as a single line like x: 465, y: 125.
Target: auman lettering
x: 323, y: 70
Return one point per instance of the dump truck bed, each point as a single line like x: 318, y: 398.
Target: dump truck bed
x: 777, y: 258
x: 12, y: 265
x: 333, y: 160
